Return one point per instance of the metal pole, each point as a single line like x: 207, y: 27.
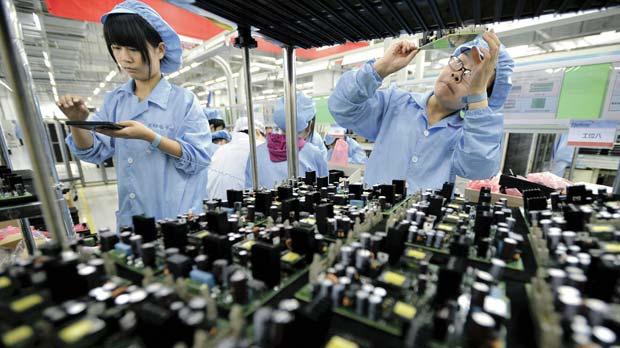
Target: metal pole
x: 290, y: 106
x: 80, y: 171
x: 250, y: 107
x: 63, y: 149
x: 616, y: 190
x: 230, y: 83
x: 573, y: 163
x: 104, y: 173
x: 4, y: 149
x: 531, y: 154
x: 29, y: 116
x: 31, y: 245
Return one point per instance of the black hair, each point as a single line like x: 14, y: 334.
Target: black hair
x: 311, y: 126
x: 216, y: 123
x: 130, y: 30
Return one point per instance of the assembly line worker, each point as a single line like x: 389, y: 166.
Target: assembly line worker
x: 356, y: 155
x: 429, y: 138
x: 161, y: 155
x: 562, y: 156
x: 216, y: 121
x: 219, y: 138
x: 271, y: 156
x: 228, y: 166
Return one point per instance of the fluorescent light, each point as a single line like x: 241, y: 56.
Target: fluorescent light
x: 184, y: 70
x: 45, y: 56
x: 209, y: 82
x: 110, y: 76
x: 46, y: 60
x: 218, y: 92
x: 202, y: 94
x: 194, y: 64
x: 254, y: 69
x: 363, y: 56
x: 96, y: 91
x: 102, y: 84
x: 265, y: 66
x: 52, y: 81
x: 37, y: 22
x: 5, y: 85
x: 190, y: 88
x: 268, y: 91
x: 89, y: 99
x: 223, y: 78
x: 309, y: 68
x: 174, y: 74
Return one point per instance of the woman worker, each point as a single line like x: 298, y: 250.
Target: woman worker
x: 355, y: 153
x: 428, y: 139
x: 271, y: 156
x: 161, y: 153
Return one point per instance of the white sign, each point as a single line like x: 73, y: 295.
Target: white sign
x: 611, y: 108
x: 594, y: 134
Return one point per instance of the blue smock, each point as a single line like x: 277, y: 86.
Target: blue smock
x: 317, y: 141
x: 270, y: 173
x: 150, y: 181
x: 406, y: 147
x: 356, y: 154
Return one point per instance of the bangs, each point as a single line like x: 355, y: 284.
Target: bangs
x: 130, y: 30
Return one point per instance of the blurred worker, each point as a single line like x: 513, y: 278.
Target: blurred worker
x: 271, y: 156
x: 19, y: 134
x: 228, y: 166
x: 428, y: 139
x: 216, y: 121
x: 562, y: 155
x: 219, y: 138
x: 355, y: 153
x: 161, y: 153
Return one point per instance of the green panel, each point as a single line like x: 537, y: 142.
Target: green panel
x: 583, y: 91
x: 323, y: 115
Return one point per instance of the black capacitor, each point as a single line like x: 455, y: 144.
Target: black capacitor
x: 441, y: 323
x: 285, y: 192
x: 335, y: 175
x: 145, y: 227
x: 478, y: 292
x: 179, y: 265
x: 395, y: 244
x: 148, y: 254
x: 175, y: 234
x: 62, y: 271
x: 136, y: 245
x: 435, y: 205
x: 446, y: 190
x: 202, y: 263
x: 603, y: 275
x: 400, y: 187
x: 216, y: 246
x: 356, y: 189
x: 107, y: 240
x: 449, y: 282
x: 310, y: 178
x: 234, y: 196
x: 266, y: 263
x: 263, y: 202
x: 482, y: 247
x: 191, y: 251
x: 251, y: 214
x: 480, y: 330
x: 388, y: 191
x: 239, y: 286
x: 125, y: 237
x: 482, y: 225
x: 282, y: 330
x: 323, y: 212
x: 574, y: 217
x: 509, y: 247
x: 218, y: 222
x: 290, y: 209
x: 91, y: 276
x: 322, y: 181
x: 219, y: 268
x: 302, y: 239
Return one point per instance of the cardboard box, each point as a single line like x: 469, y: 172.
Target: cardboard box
x: 513, y: 201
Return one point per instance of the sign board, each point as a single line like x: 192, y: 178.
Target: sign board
x: 612, y: 106
x: 534, y: 94
x: 593, y: 134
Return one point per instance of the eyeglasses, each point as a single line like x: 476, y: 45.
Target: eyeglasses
x: 456, y: 64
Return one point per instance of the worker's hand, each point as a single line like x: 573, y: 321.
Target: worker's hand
x: 73, y: 107
x: 484, y: 66
x: 398, y: 56
x: 132, y: 130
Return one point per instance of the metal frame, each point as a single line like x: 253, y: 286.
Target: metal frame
x: 290, y: 106
x: 54, y: 208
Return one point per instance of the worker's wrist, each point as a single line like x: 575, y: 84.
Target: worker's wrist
x: 478, y: 105
x: 149, y: 135
x: 380, y: 68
